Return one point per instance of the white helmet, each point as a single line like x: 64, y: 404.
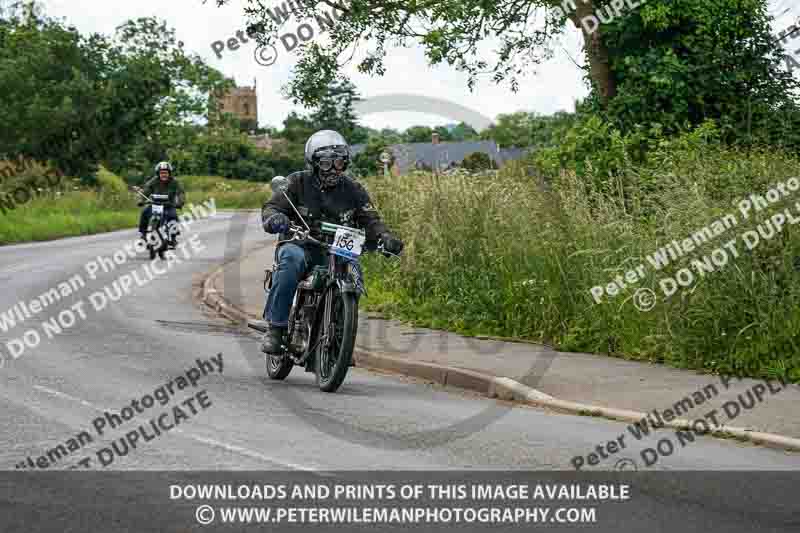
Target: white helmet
x: 164, y: 165
x: 328, y: 154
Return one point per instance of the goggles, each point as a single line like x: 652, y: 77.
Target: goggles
x: 327, y: 163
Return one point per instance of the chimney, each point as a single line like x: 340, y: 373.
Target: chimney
x: 435, y: 138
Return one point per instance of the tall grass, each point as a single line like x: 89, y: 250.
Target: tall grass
x: 507, y: 256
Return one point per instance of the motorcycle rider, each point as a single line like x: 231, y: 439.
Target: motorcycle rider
x: 164, y: 182
x: 322, y: 192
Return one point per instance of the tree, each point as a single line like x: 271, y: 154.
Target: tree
x: 463, y: 132
x: 511, y: 129
x: 191, y: 86
x: 297, y: 129
x: 477, y: 161
x: 368, y: 161
x: 523, y: 129
x: 680, y: 63
x: 84, y: 100
x: 687, y: 60
x: 418, y: 134
x: 444, y: 133
x: 335, y: 111
x: 451, y: 31
x: 391, y: 136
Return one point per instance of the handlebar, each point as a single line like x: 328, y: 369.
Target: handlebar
x: 149, y: 200
x: 165, y: 204
x: 300, y: 234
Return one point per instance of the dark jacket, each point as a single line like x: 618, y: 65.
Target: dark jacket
x: 172, y: 187
x: 347, y: 204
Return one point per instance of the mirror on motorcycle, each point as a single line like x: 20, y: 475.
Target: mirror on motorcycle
x: 279, y: 184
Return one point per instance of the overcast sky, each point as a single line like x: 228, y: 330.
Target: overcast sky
x: 553, y: 87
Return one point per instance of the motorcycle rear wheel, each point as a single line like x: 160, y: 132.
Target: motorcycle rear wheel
x: 331, y: 364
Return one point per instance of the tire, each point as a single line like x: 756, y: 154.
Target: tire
x: 164, y: 243
x: 152, y: 251
x: 331, y: 374
x: 278, y: 367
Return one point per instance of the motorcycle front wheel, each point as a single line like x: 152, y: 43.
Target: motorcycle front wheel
x: 278, y: 366
x: 332, y: 359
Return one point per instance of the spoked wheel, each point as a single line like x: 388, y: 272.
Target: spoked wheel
x: 278, y: 367
x: 151, y: 247
x: 335, y: 348
x: 164, y: 246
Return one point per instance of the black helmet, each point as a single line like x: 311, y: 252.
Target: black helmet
x: 328, y: 154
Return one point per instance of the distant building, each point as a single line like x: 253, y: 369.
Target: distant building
x: 241, y: 102
x: 439, y: 156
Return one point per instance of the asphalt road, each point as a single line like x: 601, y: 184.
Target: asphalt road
x: 133, y: 346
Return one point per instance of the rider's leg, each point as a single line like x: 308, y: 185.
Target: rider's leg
x: 291, y: 267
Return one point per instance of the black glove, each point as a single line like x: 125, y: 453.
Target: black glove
x: 391, y: 243
x: 316, y: 229
x: 277, y: 223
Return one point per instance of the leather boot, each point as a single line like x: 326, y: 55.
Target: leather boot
x: 273, y: 340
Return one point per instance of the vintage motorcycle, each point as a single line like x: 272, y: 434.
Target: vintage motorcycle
x: 323, y: 319
x: 167, y: 234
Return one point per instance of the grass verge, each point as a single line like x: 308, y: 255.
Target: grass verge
x: 507, y: 256
x: 69, y: 211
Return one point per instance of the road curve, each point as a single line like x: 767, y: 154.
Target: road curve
x: 157, y: 332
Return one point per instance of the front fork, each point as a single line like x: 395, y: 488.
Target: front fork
x: 357, y: 286
x: 328, y: 316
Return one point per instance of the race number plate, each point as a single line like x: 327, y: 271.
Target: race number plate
x: 158, y: 209
x: 347, y: 242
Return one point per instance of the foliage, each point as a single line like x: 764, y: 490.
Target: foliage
x: 228, y: 153
x: 679, y: 63
x: 527, y: 129
x: 72, y: 210
x: 335, y: 112
x: 418, y: 134
x: 669, y: 64
x: 513, y: 282
x: 477, y: 161
x: 450, y: 31
x: 462, y: 132
x: 83, y: 100
x: 368, y: 162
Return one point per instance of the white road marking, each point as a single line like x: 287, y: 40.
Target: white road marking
x: 205, y: 440
x: 256, y: 455
x: 60, y: 394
